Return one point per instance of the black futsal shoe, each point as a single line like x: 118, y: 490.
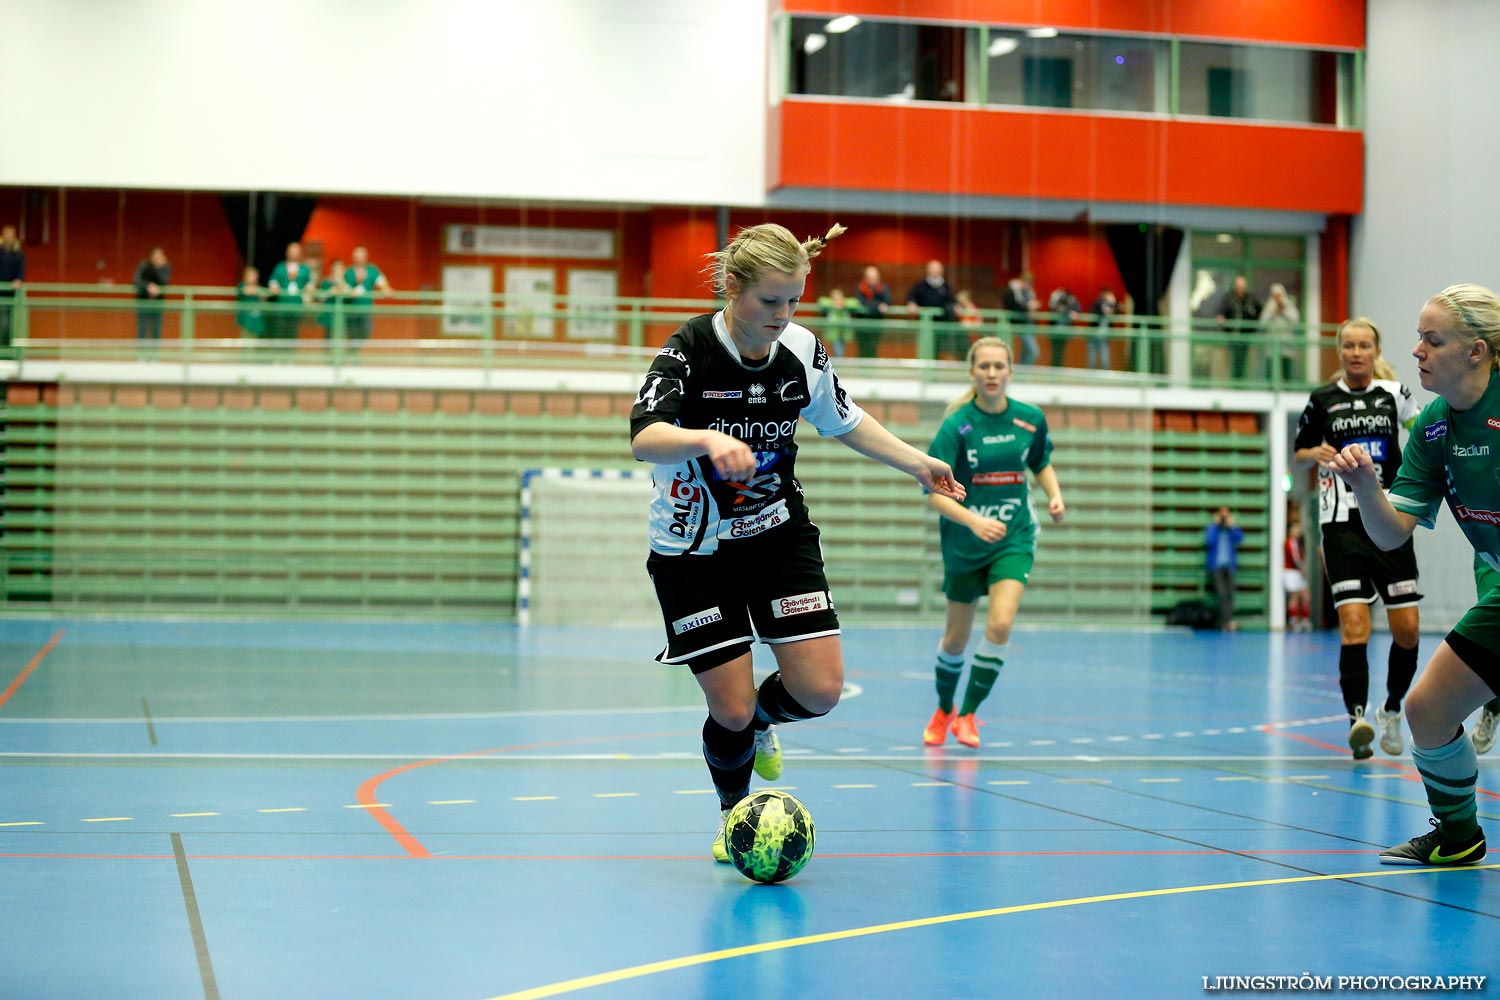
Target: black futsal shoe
x: 1435, y: 849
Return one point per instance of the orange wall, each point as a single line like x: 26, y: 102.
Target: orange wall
x: 1312, y: 23
x: 1032, y: 154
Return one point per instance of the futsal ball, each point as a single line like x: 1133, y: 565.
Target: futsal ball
x: 769, y: 836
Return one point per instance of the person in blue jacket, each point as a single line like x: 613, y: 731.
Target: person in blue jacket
x: 1222, y: 539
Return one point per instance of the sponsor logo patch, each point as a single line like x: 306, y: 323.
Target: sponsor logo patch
x: 722, y: 394
x: 788, y: 392
x: 999, y: 478
x: 675, y: 355
x: 1470, y: 450
x: 1344, y: 586
x: 1336, y: 407
x: 1493, y: 422
x: 1401, y: 587
x: 1470, y: 514
x: 1023, y: 424
x: 657, y: 389
x: 801, y: 604
x: 697, y: 620
x: 756, y: 432
x: 747, y: 527
x: 998, y: 439
x: 757, y: 392
x: 1435, y: 431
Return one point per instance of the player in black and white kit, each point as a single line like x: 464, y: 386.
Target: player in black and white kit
x: 1363, y: 405
x: 734, y: 556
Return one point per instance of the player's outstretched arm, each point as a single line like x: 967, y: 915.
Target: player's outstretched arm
x: 870, y: 438
x: 667, y: 444
x: 1386, y: 526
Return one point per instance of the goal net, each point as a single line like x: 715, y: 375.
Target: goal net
x: 583, y: 548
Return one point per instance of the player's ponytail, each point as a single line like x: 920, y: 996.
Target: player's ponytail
x: 756, y: 251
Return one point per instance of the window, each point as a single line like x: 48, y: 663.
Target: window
x: 879, y: 59
x: 1096, y: 72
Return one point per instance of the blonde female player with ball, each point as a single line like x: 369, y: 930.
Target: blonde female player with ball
x: 988, y: 540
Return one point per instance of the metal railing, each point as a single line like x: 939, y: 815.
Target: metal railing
x: 192, y: 325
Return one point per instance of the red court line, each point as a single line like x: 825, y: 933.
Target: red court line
x: 366, y: 796
x: 36, y: 661
x: 1407, y: 773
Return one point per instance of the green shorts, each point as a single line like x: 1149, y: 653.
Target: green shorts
x: 1476, y: 638
x: 968, y: 586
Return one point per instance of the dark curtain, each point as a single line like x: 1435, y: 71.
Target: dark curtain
x: 273, y: 220
x: 1145, y: 256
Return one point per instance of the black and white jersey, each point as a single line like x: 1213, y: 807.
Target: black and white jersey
x: 1340, y: 416
x: 699, y: 380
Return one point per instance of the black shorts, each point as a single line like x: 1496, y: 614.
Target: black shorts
x: 772, y: 588
x: 1359, y: 570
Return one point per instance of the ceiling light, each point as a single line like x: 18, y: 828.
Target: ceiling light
x: 814, y: 43
x: 1041, y: 32
x: 839, y: 25
x: 1002, y: 47
x: 1224, y: 238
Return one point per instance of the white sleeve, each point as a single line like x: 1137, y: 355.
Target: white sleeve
x: 829, y: 408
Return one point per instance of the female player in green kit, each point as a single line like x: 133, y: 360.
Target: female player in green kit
x: 1452, y: 454
x: 989, y: 539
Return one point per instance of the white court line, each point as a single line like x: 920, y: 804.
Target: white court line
x: 219, y: 720
x: 449, y: 756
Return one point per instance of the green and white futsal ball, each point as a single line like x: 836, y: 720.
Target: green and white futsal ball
x: 769, y: 836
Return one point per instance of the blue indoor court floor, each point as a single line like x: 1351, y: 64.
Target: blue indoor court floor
x: 457, y: 811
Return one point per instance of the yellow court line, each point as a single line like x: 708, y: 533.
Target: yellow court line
x: 451, y: 802
x: 708, y: 957
x: 110, y: 819
x: 369, y: 805
x: 616, y: 795
x: 289, y: 809
x: 932, y: 784
x: 190, y: 815
x: 28, y: 822
x: 533, y: 798
x: 1007, y: 782
x: 853, y: 786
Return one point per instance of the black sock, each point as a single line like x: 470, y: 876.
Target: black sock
x: 730, y: 755
x: 1354, y: 676
x: 1401, y: 667
x: 774, y: 704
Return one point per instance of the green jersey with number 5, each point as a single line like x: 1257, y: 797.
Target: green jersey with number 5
x: 990, y: 453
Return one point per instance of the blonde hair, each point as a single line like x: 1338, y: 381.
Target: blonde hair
x: 1383, y: 369
x: 1478, y: 312
x: 756, y: 251
x: 967, y: 396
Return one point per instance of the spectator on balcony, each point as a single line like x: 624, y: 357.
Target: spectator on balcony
x: 932, y: 292
x: 1238, y: 312
x: 330, y: 291
x: 249, y: 294
x: 1104, y: 309
x: 1020, y: 302
x: 838, y: 326
x: 363, y: 280
x: 1279, y: 319
x: 290, y: 283
x: 152, y: 275
x: 12, y: 273
x: 1065, y: 310
x: 874, y: 302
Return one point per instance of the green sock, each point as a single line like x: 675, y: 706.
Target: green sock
x: 947, y: 671
x: 981, y: 679
x: 1450, y: 773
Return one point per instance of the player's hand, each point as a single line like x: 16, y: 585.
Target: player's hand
x: 936, y: 476
x: 1324, y: 453
x: 987, y: 529
x: 1057, y: 509
x: 1355, y: 466
x: 731, y: 457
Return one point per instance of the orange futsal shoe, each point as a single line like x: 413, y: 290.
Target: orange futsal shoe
x: 937, y: 728
x: 966, y: 730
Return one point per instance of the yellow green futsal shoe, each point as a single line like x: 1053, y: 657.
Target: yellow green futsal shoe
x: 720, y: 849
x: 767, y: 754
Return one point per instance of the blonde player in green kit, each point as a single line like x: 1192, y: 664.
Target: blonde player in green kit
x: 1453, y: 454
x: 989, y: 539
